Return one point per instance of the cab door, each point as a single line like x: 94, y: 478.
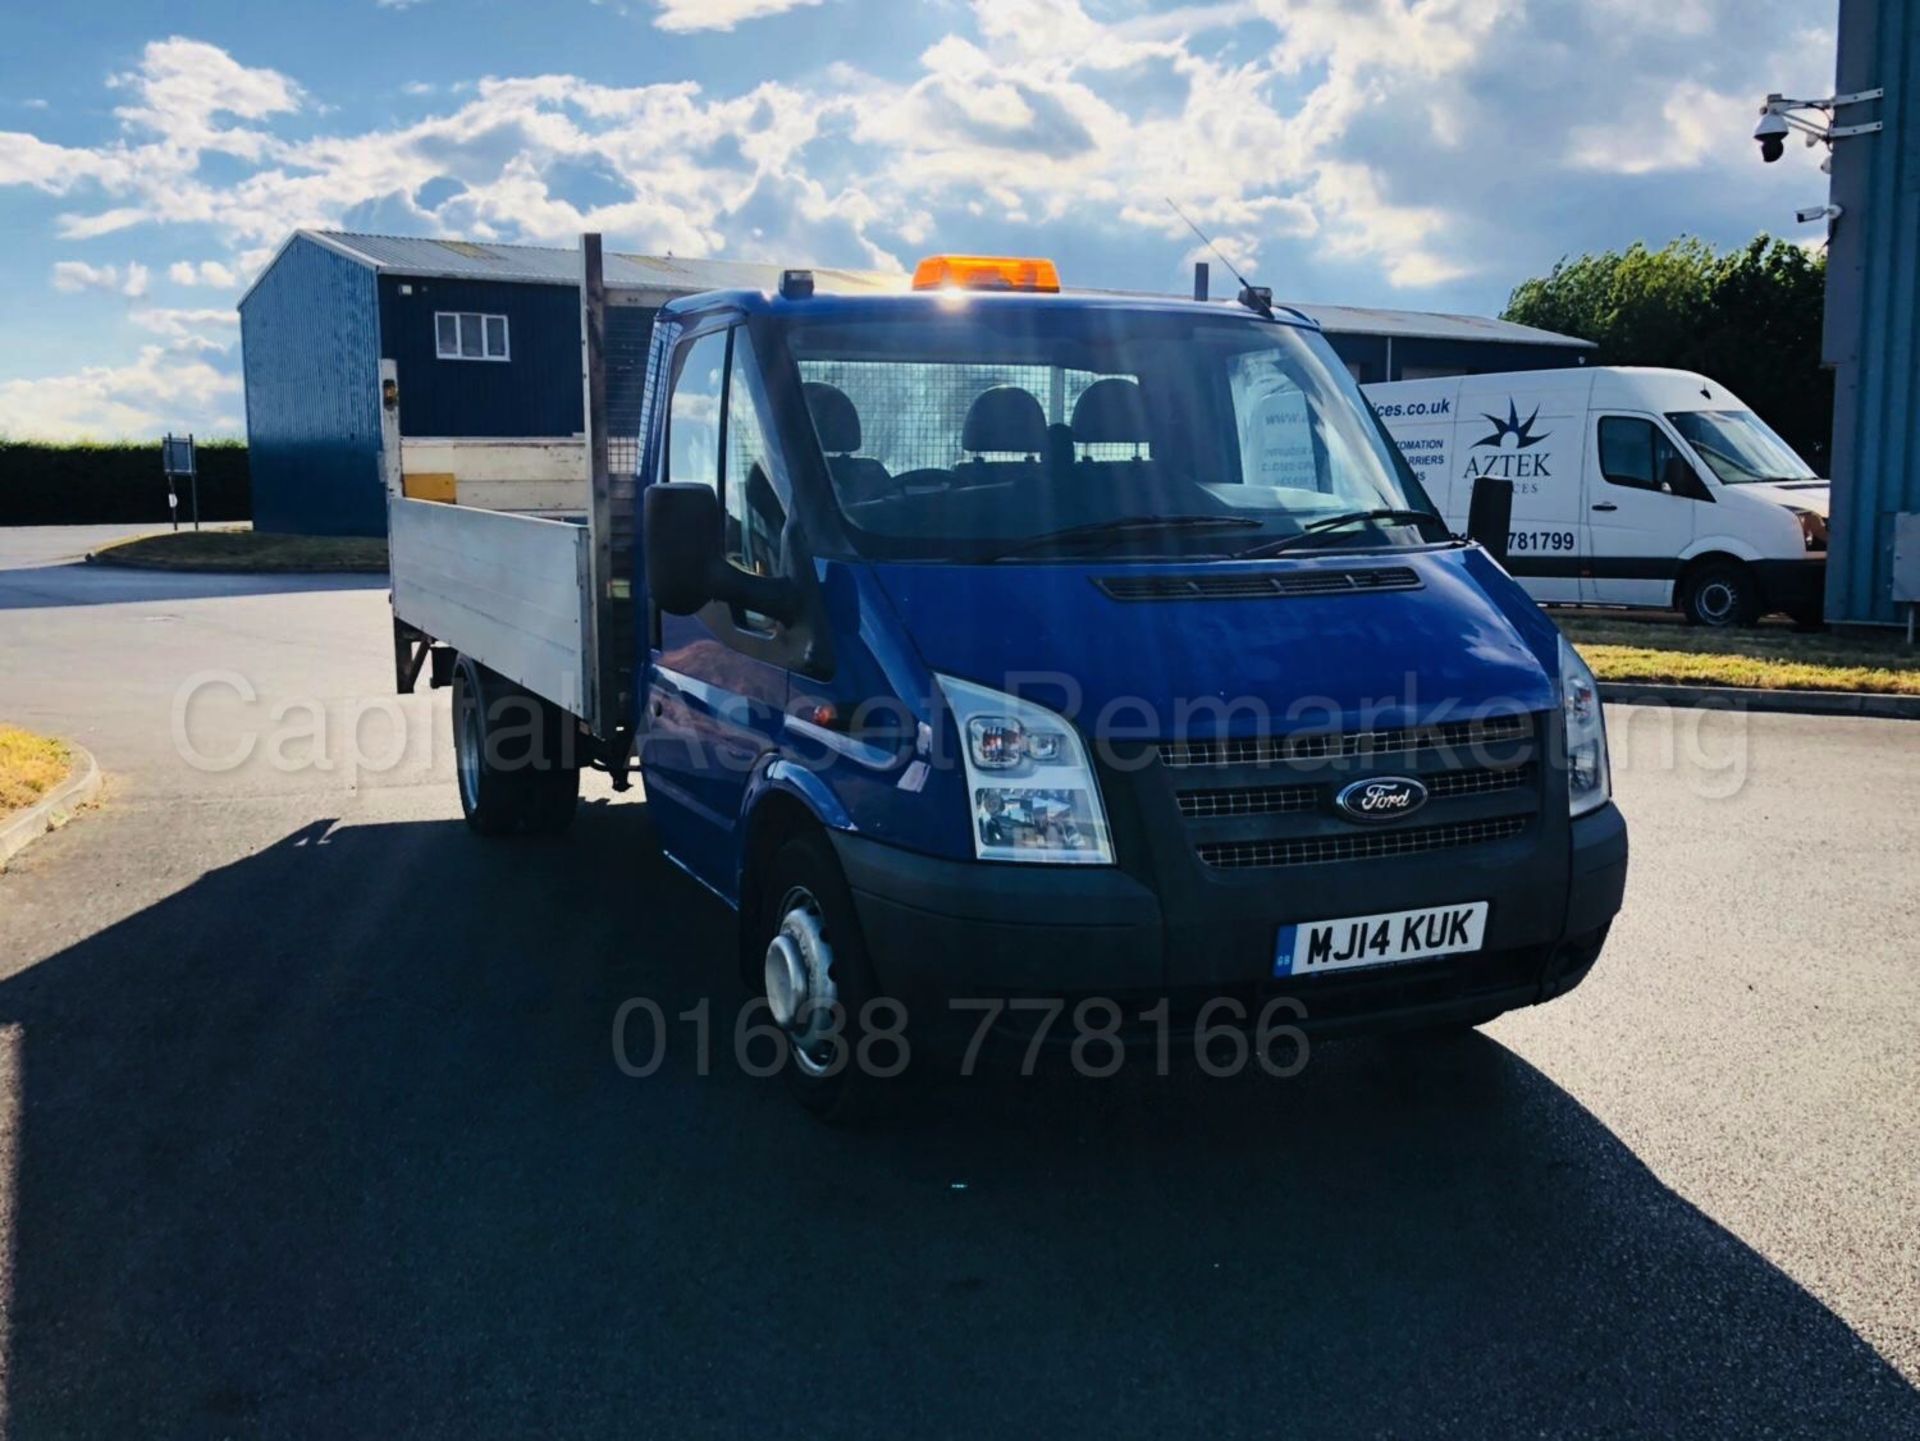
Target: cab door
x: 718, y: 684
x: 1643, y: 499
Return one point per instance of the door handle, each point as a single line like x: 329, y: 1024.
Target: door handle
x: 1606, y: 505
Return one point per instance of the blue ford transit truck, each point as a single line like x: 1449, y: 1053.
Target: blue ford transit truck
x: 984, y: 644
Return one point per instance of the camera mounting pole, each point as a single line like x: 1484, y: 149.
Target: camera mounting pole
x: 1791, y: 111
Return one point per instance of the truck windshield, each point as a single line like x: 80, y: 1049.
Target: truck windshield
x: 1739, y: 446
x: 1002, y: 429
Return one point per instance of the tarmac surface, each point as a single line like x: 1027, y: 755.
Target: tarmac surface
x: 310, y: 1121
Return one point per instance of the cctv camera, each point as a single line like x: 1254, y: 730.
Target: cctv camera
x: 1810, y: 213
x: 1771, y: 132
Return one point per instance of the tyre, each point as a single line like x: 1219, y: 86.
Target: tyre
x: 1721, y: 593
x: 819, y: 987
x: 516, y: 769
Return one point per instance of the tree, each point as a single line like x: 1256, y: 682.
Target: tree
x: 1748, y: 318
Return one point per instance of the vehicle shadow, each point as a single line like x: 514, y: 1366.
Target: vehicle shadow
x: 42, y: 587
x: 333, y: 1141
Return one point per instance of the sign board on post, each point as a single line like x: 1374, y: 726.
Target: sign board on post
x: 176, y: 459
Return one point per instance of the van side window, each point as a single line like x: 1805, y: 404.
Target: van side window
x: 1635, y: 453
x: 755, y: 514
x: 693, y: 417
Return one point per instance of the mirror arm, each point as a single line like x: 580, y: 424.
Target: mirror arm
x: 767, y: 594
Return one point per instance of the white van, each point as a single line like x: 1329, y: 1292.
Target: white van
x: 1630, y: 487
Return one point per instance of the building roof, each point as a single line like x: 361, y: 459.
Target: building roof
x: 429, y: 259
x: 426, y: 258
x: 1434, y: 325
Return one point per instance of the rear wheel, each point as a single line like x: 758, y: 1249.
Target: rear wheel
x: 512, y: 756
x: 1721, y: 593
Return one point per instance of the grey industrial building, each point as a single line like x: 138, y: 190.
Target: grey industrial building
x: 1873, y: 304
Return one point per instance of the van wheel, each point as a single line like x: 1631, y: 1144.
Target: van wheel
x: 1721, y: 593
x: 819, y: 987
x: 512, y: 756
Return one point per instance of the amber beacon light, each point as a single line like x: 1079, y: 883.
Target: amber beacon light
x: 985, y: 272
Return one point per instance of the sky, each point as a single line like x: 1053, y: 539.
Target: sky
x: 1421, y: 154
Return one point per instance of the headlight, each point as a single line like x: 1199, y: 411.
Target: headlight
x: 1030, y: 785
x: 1813, y: 527
x: 1589, y: 781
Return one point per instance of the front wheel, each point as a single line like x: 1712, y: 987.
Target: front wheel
x: 1721, y: 593
x: 518, y: 772
x: 847, y: 1046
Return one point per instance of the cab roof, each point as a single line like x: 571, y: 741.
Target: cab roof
x: 825, y: 306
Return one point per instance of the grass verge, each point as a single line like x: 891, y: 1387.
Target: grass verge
x: 1764, y: 658
x: 30, y: 766
x: 247, y: 551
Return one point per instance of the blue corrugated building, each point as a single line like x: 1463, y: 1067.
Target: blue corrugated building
x: 486, y: 343
x: 1873, y: 304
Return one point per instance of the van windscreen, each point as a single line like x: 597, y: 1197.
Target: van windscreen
x: 955, y: 434
x: 1739, y: 446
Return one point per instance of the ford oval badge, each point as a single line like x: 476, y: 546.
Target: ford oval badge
x: 1381, y: 798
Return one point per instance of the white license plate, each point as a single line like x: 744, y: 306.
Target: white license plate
x: 1311, y: 947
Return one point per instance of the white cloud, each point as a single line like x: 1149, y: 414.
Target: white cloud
x: 159, y: 389
x: 1669, y: 125
x: 1411, y: 143
x: 74, y: 275
x: 190, y: 329
x: 183, y: 85
x: 207, y: 272
x: 70, y: 276
x: 1341, y: 128
x: 686, y: 15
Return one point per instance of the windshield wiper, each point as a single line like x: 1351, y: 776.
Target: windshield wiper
x: 1317, y: 529
x: 1109, y: 532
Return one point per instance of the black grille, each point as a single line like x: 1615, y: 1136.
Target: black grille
x: 1248, y: 855
x: 1260, y: 585
x: 1478, y: 783
x: 1269, y: 750
x: 1246, y: 801
x: 1198, y: 805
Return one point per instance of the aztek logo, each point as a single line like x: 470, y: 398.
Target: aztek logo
x: 1510, y: 463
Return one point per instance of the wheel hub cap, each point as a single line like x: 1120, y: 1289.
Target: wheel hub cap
x: 800, y: 989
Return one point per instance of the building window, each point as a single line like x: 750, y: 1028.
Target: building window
x: 466, y: 336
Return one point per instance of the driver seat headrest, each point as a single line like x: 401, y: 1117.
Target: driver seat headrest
x: 1005, y: 418
x: 1110, y: 412
x: 834, y: 419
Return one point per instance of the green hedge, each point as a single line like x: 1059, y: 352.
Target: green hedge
x: 114, y: 484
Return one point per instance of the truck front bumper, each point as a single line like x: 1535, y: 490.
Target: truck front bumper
x: 941, y: 930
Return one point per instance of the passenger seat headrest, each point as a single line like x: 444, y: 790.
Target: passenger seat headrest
x: 834, y: 418
x: 1005, y: 418
x: 1109, y: 412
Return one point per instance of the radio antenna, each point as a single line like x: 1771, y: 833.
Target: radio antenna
x: 1258, y: 298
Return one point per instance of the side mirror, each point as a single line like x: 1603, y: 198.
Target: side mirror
x: 681, y: 520
x: 1490, y: 515
x: 686, y: 569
